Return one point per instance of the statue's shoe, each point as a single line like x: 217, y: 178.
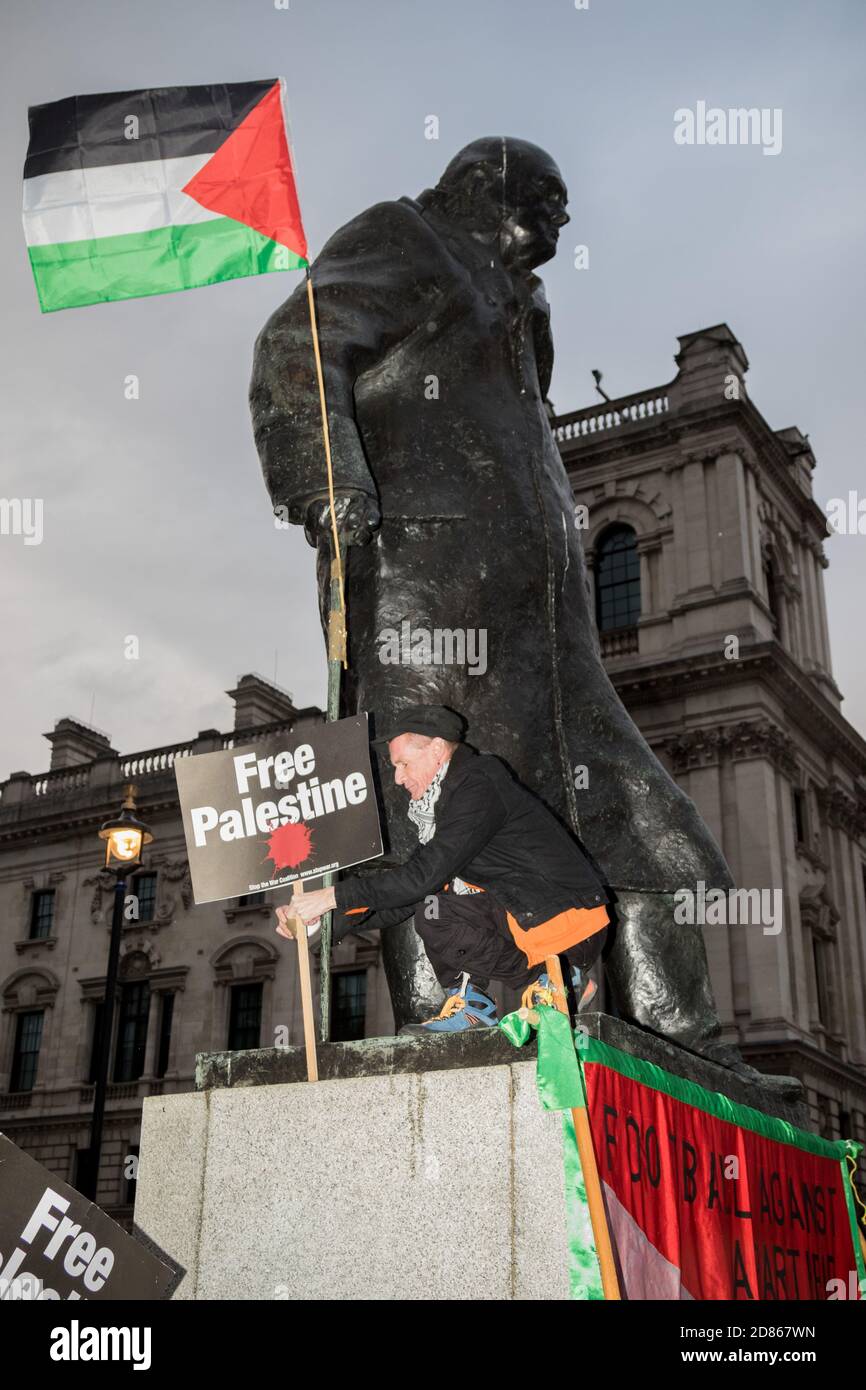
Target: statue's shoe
x: 727, y: 1055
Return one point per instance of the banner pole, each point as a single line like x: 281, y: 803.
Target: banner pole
x: 336, y: 647
x: 336, y: 556
x: 336, y: 661
x: 586, y: 1153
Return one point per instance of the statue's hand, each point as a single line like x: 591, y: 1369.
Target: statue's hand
x: 357, y: 513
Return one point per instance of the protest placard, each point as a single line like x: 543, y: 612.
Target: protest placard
x: 294, y: 806
x: 56, y: 1244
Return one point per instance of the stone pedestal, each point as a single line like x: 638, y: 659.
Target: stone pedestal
x: 415, y: 1169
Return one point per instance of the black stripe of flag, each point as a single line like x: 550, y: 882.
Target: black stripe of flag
x: 171, y: 122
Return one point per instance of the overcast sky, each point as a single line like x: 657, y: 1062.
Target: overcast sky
x: 157, y: 522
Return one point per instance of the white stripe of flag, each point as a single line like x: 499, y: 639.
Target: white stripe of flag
x: 111, y: 200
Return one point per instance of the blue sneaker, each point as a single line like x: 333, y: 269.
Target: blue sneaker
x: 464, y: 1008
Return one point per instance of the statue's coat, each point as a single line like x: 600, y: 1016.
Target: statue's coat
x: 437, y: 363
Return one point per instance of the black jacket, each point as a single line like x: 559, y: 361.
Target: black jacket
x: 492, y: 832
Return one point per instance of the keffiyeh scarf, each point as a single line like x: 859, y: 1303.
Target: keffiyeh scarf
x: 423, y: 816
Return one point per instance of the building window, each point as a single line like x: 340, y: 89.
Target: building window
x: 81, y: 1170
x: 251, y: 899
x: 132, y: 1031
x: 617, y: 580
x: 348, y: 1005
x: 42, y: 915
x: 800, y: 816
x: 245, y: 1017
x: 166, y: 1013
x: 144, y: 888
x: 25, y: 1059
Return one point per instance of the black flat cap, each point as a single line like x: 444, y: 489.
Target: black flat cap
x: 436, y: 721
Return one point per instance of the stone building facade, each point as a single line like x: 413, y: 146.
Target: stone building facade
x: 192, y: 979
x: 705, y: 553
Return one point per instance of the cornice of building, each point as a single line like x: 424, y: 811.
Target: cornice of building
x: 654, y: 421
x: 802, y: 1056
x: 76, y: 800
x: 821, y: 723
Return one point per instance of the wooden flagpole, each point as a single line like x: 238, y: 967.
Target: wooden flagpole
x: 326, y: 435
x: 336, y: 648
x: 336, y: 661
x: 591, y: 1180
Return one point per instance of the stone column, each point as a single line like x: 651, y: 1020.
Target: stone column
x: 647, y: 604
x: 797, y: 938
x: 795, y: 607
x: 848, y: 980
x: 752, y: 499
x: 150, y: 1041
x: 857, y: 951
x: 733, y: 542
x: 705, y: 788
x: 766, y: 956
x: 812, y: 620
x: 821, y: 610
x: 694, y: 515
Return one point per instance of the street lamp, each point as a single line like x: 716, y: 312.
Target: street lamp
x: 125, y: 836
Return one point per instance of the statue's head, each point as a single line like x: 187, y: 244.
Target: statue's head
x: 509, y: 190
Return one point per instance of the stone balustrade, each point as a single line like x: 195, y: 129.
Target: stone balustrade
x: 116, y: 770
x: 627, y: 410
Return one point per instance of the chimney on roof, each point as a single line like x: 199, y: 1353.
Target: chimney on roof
x: 258, y: 701
x: 73, y: 743
x: 801, y: 460
x: 712, y: 367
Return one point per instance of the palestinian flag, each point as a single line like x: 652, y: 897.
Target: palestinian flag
x: 138, y: 193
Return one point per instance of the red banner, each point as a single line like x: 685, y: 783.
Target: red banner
x: 706, y: 1207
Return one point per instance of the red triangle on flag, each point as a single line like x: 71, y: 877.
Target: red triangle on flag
x: 250, y: 177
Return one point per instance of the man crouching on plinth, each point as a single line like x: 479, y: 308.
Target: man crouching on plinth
x: 496, y: 883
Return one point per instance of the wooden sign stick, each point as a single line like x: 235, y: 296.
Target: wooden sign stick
x: 300, y: 930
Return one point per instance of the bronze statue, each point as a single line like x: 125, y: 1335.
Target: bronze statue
x: 460, y: 520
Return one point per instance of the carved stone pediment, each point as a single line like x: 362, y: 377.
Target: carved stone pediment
x: 842, y: 809
x: 818, y: 911
x: 102, y: 884
x: 137, y: 959
x: 31, y: 987
x: 173, y: 891
x: 173, y: 888
x: 244, y: 958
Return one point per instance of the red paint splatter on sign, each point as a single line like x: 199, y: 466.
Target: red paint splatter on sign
x: 289, y: 846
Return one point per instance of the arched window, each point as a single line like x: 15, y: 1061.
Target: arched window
x: 617, y: 579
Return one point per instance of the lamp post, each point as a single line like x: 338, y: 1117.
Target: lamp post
x: 124, y: 838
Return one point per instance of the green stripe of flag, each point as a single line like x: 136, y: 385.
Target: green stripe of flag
x: 69, y: 274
